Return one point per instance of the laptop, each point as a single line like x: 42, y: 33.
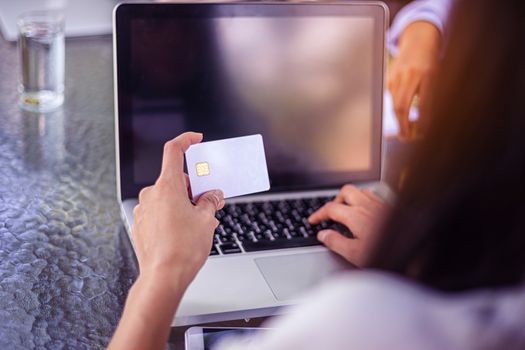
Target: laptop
x: 308, y: 77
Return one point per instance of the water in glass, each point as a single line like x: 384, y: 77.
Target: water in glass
x: 41, y: 48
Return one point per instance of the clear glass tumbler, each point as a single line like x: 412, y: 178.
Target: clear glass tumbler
x: 42, y: 61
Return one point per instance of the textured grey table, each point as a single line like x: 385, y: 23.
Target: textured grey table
x: 65, y: 263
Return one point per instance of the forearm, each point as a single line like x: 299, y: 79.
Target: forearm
x: 147, y: 315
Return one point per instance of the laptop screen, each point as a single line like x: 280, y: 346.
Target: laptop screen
x: 308, y: 77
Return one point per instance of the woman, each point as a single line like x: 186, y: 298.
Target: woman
x: 457, y: 225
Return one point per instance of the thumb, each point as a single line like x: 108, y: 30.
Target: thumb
x: 211, y: 201
x: 339, y: 244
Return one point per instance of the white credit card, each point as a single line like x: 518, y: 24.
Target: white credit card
x: 236, y: 166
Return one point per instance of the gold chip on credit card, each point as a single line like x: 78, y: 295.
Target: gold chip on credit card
x: 202, y: 168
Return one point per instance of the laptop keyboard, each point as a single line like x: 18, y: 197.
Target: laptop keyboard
x: 256, y: 226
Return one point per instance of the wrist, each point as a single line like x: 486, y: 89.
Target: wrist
x: 166, y: 278
x: 149, y: 311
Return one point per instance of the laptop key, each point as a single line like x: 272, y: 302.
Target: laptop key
x: 228, y: 239
x: 279, y: 244
x: 214, y: 250
x: 230, y: 248
x: 251, y: 236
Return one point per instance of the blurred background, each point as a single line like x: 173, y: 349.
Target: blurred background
x: 85, y: 18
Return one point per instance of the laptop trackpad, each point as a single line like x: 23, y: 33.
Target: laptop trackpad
x: 290, y: 275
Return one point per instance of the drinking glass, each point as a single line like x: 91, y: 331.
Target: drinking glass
x: 41, y: 51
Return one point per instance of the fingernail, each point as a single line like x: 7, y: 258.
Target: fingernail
x: 219, y: 194
x: 219, y: 197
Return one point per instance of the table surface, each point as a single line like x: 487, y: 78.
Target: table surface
x: 65, y: 260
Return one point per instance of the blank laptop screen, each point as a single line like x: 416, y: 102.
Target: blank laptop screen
x: 307, y: 77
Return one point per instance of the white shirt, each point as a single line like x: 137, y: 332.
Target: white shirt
x: 372, y: 310
x: 433, y: 11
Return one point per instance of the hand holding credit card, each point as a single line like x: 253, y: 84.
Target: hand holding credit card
x: 236, y: 166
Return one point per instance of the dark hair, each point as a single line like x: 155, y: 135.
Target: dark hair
x: 459, y: 221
